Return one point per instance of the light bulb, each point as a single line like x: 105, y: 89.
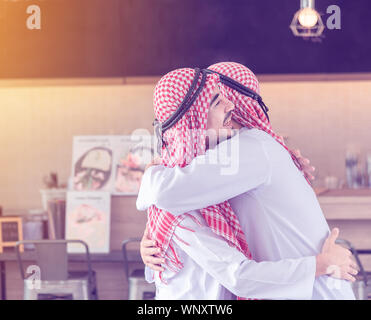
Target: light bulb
x: 308, y: 17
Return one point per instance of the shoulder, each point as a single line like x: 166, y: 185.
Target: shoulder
x: 252, y: 140
x: 254, y: 134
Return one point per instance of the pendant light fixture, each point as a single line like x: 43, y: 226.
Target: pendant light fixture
x: 307, y: 21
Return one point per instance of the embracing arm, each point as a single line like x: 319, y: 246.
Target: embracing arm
x: 231, y: 168
x: 281, y: 279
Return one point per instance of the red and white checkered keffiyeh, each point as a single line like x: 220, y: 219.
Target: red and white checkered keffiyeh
x: 247, y: 111
x: 184, y: 141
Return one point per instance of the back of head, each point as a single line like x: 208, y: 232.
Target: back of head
x: 186, y: 138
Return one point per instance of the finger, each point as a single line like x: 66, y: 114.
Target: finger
x: 348, y: 263
x: 343, y: 275
x: 308, y: 168
x: 333, y: 236
x: 309, y: 176
x: 352, y: 271
x: 348, y: 277
x: 157, y: 160
x: 148, y: 166
x: 148, y: 243
x: 354, y: 265
x: 296, y: 152
x: 151, y: 251
x: 151, y: 164
x: 155, y: 260
x: 346, y: 252
x: 155, y: 267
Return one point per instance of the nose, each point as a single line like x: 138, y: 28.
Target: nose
x: 229, y: 106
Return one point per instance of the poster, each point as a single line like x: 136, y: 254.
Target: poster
x: 88, y: 218
x: 132, y: 154
x: 92, y: 163
x: 111, y: 163
x: 103, y: 166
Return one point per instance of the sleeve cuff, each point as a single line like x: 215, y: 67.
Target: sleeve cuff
x: 310, y: 277
x: 144, y: 200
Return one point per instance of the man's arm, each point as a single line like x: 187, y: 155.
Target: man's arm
x: 283, y: 279
x: 231, y: 168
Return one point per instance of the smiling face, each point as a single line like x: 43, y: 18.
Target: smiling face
x: 219, y: 120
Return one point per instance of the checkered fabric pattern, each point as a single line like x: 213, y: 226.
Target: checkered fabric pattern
x: 184, y: 141
x: 247, y: 111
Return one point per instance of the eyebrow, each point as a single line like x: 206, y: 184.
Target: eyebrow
x: 213, y: 99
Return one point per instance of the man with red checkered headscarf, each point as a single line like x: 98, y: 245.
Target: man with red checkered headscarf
x: 202, y: 242
x: 184, y: 141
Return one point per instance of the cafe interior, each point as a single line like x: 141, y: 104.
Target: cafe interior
x: 76, y: 96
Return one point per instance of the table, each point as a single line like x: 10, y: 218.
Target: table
x: 114, y: 256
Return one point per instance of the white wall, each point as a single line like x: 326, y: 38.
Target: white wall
x: 38, y: 122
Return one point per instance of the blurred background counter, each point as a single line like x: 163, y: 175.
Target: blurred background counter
x: 350, y: 211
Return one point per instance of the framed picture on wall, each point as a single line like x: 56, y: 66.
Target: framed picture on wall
x: 111, y: 163
x: 92, y: 163
x: 132, y: 154
x: 88, y: 218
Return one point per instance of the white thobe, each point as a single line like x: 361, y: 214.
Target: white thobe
x: 278, y: 211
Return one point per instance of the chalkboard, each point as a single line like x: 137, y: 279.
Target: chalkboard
x: 119, y: 38
x: 10, y: 232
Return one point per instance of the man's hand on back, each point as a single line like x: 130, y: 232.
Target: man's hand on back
x: 154, y: 162
x: 148, y: 252
x: 305, y: 165
x: 148, y: 249
x: 336, y: 261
